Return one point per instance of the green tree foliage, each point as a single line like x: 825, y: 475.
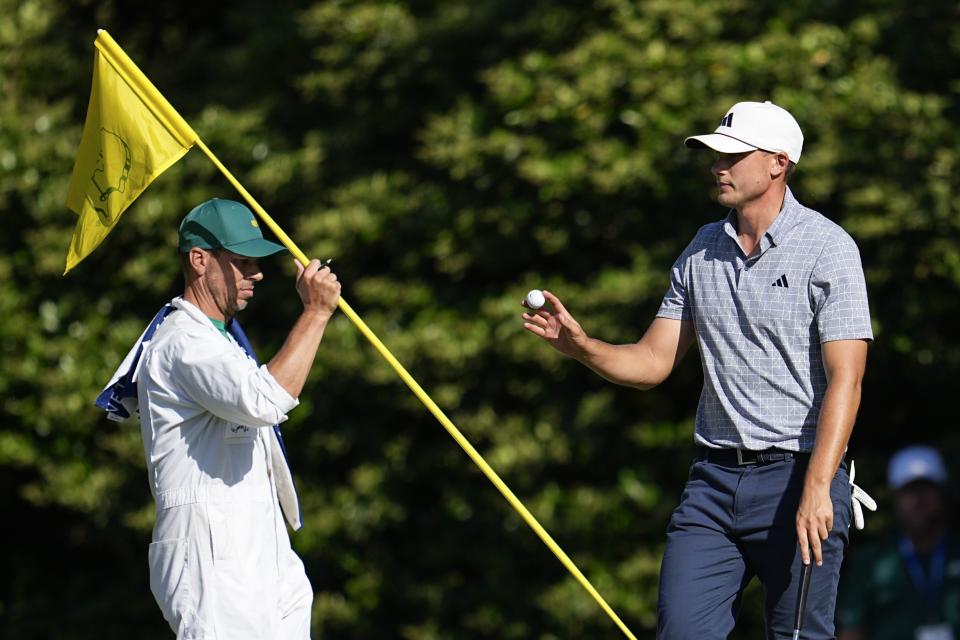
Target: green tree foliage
x: 451, y: 156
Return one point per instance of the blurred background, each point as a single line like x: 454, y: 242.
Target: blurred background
x: 450, y: 156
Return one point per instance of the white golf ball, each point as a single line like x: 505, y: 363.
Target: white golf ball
x: 535, y: 299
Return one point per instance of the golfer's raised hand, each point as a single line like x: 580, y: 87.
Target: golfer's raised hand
x: 814, y: 521
x: 558, y: 327
x: 318, y: 288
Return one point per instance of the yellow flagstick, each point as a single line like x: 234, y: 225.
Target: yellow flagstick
x: 427, y: 401
x: 174, y: 121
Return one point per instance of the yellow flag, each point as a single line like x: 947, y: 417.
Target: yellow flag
x: 130, y: 137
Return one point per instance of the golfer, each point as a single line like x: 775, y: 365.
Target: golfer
x: 221, y: 565
x: 774, y: 296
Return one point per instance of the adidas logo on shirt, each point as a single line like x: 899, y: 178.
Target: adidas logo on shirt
x: 781, y: 282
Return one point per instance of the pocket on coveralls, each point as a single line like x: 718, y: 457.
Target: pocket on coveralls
x: 169, y: 562
x: 219, y: 515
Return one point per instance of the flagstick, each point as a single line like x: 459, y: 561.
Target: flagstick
x: 427, y: 401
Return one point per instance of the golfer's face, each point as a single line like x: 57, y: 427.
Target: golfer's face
x: 742, y: 177
x: 233, y: 281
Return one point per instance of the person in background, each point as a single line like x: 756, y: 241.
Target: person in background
x: 907, y: 585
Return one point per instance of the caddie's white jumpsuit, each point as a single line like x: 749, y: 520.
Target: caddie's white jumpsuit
x: 221, y: 565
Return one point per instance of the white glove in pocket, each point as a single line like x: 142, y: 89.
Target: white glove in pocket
x: 859, y: 499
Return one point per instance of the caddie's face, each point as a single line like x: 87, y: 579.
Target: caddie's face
x: 231, y: 280
x: 743, y: 177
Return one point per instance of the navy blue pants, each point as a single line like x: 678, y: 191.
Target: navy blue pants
x: 737, y: 522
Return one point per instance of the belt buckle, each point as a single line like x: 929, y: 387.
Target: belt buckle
x: 740, y: 461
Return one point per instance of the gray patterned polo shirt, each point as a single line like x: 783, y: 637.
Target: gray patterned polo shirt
x: 760, y: 322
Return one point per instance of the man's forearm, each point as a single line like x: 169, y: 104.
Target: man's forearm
x: 624, y: 364
x: 844, y: 362
x: 644, y: 364
x: 837, y: 416
x: 291, y: 365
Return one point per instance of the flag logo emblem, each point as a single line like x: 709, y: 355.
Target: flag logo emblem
x: 108, y: 179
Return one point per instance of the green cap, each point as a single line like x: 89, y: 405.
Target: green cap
x: 225, y: 224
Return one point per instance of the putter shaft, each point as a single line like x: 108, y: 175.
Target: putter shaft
x: 805, y: 572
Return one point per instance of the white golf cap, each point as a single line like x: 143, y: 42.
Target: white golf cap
x: 754, y: 125
x: 917, y: 462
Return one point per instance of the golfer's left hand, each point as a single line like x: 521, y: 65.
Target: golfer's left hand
x: 814, y: 521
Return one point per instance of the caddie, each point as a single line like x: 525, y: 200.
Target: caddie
x: 221, y: 564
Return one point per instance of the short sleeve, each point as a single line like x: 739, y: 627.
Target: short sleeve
x: 676, y: 303
x: 838, y: 292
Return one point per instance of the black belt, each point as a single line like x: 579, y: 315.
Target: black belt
x: 744, y: 457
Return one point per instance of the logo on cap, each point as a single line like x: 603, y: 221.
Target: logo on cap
x: 225, y: 224
x: 759, y: 125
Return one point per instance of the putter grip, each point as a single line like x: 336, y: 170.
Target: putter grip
x: 802, y: 599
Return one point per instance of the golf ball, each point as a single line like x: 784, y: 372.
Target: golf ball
x: 535, y: 299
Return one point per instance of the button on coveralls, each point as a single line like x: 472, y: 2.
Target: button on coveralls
x: 221, y: 565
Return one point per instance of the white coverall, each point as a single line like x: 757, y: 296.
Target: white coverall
x: 221, y: 565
